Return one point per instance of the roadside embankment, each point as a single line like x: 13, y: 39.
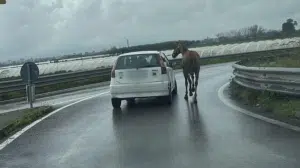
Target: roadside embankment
x: 12, y: 122
x: 276, y: 105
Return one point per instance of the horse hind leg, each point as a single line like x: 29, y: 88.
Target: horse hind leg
x: 196, y: 85
x: 193, y: 83
x: 190, y: 86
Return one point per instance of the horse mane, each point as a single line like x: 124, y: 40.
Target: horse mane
x: 184, y: 48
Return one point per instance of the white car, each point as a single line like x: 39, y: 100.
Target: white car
x: 142, y: 74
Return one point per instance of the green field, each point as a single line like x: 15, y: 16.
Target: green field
x: 288, y: 61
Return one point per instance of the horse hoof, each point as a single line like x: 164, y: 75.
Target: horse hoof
x: 191, y: 94
x: 195, y: 101
x: 193, y: 90
x: 185, y: 97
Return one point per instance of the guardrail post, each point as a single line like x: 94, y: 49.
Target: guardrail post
x: 30, y: 94
x: 29, y: 87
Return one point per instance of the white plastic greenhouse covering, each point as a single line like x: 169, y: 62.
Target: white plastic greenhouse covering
x: 94, y: 62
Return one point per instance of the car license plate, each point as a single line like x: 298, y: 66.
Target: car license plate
x: 138, y: 74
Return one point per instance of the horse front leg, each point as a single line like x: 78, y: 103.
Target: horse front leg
x: 186, y: 88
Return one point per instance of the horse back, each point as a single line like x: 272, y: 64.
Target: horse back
x: 195, y: 58
x: 191, y: 61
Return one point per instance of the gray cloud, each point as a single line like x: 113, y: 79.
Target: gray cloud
x: 50, y: 27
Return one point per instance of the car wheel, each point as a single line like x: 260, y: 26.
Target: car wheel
x: 131, y: 101
x: 169, y: 99
x: 175, y: 88
x: 116, y: 103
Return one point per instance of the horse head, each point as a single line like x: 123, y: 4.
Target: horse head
x: 177, y: 50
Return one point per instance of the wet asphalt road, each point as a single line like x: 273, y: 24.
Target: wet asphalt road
x: 150, y: 134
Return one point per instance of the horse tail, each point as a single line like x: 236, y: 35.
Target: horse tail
x: 195, y: 60
x: 194, y: 63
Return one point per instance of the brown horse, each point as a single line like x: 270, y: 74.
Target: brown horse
x: 191, y: 68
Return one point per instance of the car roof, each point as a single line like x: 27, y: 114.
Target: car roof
x: 141, y: 52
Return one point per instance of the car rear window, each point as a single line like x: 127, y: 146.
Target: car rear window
x: 137, y: 61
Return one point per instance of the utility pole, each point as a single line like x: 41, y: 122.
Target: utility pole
x: 127, y: 42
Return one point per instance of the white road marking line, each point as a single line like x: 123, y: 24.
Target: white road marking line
x: 252, y: 114
x: 19, y: 133
x: 52, y: 102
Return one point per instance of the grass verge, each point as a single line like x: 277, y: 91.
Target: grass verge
x: 273, y: 104
x: 218, y: 60
x: 24, y: 118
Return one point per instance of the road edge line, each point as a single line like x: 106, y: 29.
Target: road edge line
x: 22, y: 131
x: 252, y: 114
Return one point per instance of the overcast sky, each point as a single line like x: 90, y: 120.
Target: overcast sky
x: 40, y: 28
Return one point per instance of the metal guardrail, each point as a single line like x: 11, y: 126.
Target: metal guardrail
x: 19, y: 85
x: 281, y: 80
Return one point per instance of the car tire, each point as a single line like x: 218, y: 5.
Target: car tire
x: 175, y: 88
x: 116, y: 103
x: 169, y: 99
x: 130, y: 102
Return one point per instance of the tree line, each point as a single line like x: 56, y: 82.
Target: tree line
x: 246, y: 34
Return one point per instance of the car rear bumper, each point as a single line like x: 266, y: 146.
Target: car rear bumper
x: 139, y: 90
